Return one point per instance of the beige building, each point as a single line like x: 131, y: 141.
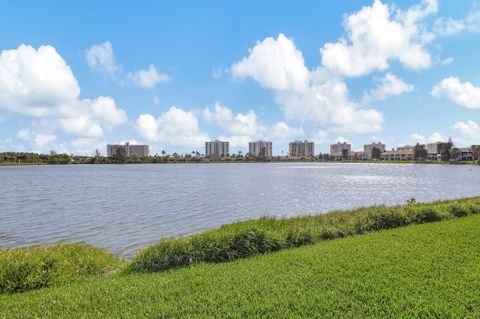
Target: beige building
x: 406, y: 148
x: 433, y: 151
x: 400, y: 154
x: 369, y: 147
x: 336, y: 150
x: 260, y: 149
x: 216, y: 149
x: 127, y: 150
x: 301, y: 149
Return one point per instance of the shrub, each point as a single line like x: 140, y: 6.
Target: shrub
x: 300, y: 237
x: 206, y: 247
x: 473, y: 208
x: 255, y: 241
x: 165, y: 254
x: 327, y: 233
x: 423, y: 214
x: 34, y: 267
x: 380, y: 218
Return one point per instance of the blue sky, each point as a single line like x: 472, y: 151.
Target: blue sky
x: 75, y: 76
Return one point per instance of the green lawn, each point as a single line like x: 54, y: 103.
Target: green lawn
x: 425, y: 271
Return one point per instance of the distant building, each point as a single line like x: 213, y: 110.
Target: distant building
x: 216, y: 149
x: 433, y: 150
x: 405, y: 148
x: 127, y: 150
x: 337, y: 150
x: 360, y: 155
x: 301, y: 149
x: 260, y: 148
x: 369, y: 147
x: 466, y: 154
x: 402, y: 153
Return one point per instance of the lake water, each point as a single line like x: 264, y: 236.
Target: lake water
x: 123, y: 207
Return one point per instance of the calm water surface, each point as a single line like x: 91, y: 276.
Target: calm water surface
x: 123, y: 207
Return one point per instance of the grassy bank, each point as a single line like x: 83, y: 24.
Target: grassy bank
x: 46, y: 265
x: 420, y: 271
x: 43, y: 266
x: 244, y: 239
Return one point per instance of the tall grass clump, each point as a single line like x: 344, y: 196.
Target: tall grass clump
x: 213, y: 247
x: 35, y: 267
x: 244, y: 239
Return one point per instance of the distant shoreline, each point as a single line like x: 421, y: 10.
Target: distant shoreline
x: 7, y: 164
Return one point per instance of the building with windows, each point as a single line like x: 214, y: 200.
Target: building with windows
x: 260, y: 149
x: 127, y: 150
x: 433, y: 150
x: 216, y: 149
x: 369, y: 147
x: 337, y: 150
x: 301, y: 149
x: 402, y: 153
x: 406, y: 148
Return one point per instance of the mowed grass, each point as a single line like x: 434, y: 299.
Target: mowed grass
x: 419, y: 271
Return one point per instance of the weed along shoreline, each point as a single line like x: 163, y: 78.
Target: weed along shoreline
x: 40, y: 266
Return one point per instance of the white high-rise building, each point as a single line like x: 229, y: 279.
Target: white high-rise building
x: 127, y: 150
x: 216, y: 149
x: 260, y: 148
x: 337, y: 149
x: 301, y: 149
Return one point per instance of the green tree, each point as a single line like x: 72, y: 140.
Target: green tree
x: 444, y: 150
x: 419, y: 153
x: 476, y: 152
x: 376, y: 153
x: 455, y: 153
x: 345, y: 154
x: 120, y: 155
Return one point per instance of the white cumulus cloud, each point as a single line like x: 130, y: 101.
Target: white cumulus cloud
x: 419, y: 138
x: 38, y: 83
x: 388, y: 86
x: 39, y: 139
x: 243, y: 127
x: 375, y: 36
x: 464, y: 94
x: 175, y: 127
x: 148, y: 78
x: 450, y: 27
x: 274, y: 63
x: 283, y: 131
x: 469, y: 130
x: 313, y: 96
x: 101, y: 57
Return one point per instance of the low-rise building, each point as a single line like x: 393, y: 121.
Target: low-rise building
x: 361, y: 156
x: 466, y: 154
x: 301, y: 149
x: 216, y: 149
x: 400, y: 154
x: 127, y: 150
x: 406, y: 148
x: 260, y: 149
x: 433, y: 152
